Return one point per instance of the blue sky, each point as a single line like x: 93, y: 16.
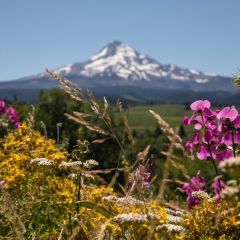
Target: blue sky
x: 196, y: 34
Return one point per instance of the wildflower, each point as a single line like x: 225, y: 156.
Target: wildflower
x: 218, y: 185
x: 227, y: 114
x: 41, y: 161
x: 70, y: 164
x: 2, y: 106
x: 174, y: 219
x: 200, y: 105
x: 139, y: 179
x: 170, y: 227
x: 200, y: 194
x: 216, y: 136
x: 10, y: 114
x: 135, y: 218
x: 2, y: 184
x: 231, y: 192
x: 196, y: 184
x: 90, y: 164
x: 229, y: 163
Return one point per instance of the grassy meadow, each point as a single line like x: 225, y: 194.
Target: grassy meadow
x: 140, y: 118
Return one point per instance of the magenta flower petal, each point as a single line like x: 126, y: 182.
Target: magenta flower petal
x: 203, y: 153
x: 228, y: 114
x: 200, y: 105
x: 225, y: 154
x: 189, y: 145
x: 2, y: 106
x: 237, y: 122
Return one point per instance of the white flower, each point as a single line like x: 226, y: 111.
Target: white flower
x: 231, y: 192
x: 90, y: 163
x: 70, y: 164
x: 174, y: 219
x: 200, y: 194
x: 123, y: 200
x: 41, y: 161
x: 135, y: 217
x: 174, y: 212
x: 171, y: 228
x: 72, y: 176
x: 228, y: 163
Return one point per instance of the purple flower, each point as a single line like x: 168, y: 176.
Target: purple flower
x: 214, y: 137
x: 236, y: 122
x: 218, y: 186
x: 139, y: 179
x: 2, y: 184
x: 200, y: 105
x: 2, y: 106
x: 227, y: 114
x: 196, y: 184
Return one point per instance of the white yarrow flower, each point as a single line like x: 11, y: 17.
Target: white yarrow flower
x: 70, y: 164
x: 171, y: 228
x: 229, y: 163
x: 174, y: 219
x: 90, y: 163
x: 41, y: 161
x: 135, y: 217
x: 200, y: 194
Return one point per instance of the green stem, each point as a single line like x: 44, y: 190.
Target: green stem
x: 214, y: 164
x: 233, y: 142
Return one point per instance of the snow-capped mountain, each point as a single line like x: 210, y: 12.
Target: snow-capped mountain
x: 120, y: 60
x: 120, y: 68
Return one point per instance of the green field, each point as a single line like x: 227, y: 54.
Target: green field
x: 140, y: 118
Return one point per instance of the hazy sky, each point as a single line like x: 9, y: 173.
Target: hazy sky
x: 198, y: 34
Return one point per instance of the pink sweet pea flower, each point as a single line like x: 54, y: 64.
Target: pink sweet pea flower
x: 199, y: 122
x: 203, y: 153
x: 225, y: 154
x: 2, y: 106
x: 218, y: 185
x: 196, y: 184
x: 229, y: 136
x: 227, y: 114
x: 236, y: 122
x: 200, y: 105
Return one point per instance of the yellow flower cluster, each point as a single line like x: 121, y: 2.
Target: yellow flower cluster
x: 49, y: 196
x: 214, y: 221
x: 17, y: 149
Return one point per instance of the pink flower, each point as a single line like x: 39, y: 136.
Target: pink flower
x: 229, y: 136
x: 200, y: 105
x: 2, y: 106
x: 2, y: 184
x: 196, y: 184
x: 218, y: 186
x: 228, y: 114
x: 225, y: 154
x: 237, y: 122
x: 203, y: 153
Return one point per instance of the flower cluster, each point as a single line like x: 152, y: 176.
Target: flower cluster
x: 218, y: 186
x: 9, y: 114
x: 216, y: 136
x: 139, y: 179
x: 196, y: 184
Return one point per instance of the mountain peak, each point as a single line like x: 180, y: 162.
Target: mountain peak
x: 115, y: 48
x: 121, y: 62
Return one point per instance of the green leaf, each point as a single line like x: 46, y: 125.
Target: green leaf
x: 95, y: 207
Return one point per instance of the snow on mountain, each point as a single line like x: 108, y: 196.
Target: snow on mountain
x: 121, y: 60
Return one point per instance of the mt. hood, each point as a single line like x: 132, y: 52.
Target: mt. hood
x: 119, y: 65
